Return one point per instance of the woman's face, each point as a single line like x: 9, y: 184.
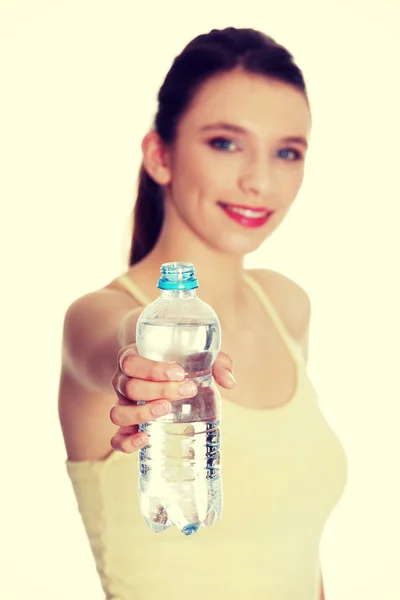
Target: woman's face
x: 232, y: 174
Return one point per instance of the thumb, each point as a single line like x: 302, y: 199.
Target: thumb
x: 223, y: 371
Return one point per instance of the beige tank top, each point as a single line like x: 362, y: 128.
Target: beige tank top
x: 278, y: 492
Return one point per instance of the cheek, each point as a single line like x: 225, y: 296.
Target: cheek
x: 196, y: 185
x: 290, y: 185
x: 202, y: 169
x: 189, y: 172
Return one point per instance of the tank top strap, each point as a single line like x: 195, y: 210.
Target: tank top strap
x: 263, y: 297
x: 133, y: 289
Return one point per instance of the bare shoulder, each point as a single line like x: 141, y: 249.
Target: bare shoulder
x: 290, y: 300
x: 140, y: 285
x: 109, y: 298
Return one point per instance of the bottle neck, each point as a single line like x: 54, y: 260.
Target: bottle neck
x: 178, y: 294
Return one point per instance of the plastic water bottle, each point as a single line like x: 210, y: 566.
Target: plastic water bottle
x: 179, y: 470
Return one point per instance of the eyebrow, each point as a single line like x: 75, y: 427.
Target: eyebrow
x: 298, y: 139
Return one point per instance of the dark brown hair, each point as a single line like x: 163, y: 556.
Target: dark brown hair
x: 208, y: 54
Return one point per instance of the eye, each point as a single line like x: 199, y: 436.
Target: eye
x: 287, y: 151
x: 221, y: 143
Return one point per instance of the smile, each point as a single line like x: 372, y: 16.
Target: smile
x: 245, y: 215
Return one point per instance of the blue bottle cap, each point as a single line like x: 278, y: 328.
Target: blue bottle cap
x: 177, y: 276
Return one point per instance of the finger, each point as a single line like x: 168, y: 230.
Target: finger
x: 128, y: 430
x: 129, y: 443
x: 140, y: 390
x: 223, y: 371
x: 139, y: 367
x: 125, y: 415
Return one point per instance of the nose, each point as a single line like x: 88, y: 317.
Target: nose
x: 258, y: 177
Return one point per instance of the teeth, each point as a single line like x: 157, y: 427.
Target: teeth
x: 247, y: 212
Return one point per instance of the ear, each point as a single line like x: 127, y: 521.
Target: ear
x: 155, y: 158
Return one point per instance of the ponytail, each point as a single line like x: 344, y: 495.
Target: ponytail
x: 148, y: 216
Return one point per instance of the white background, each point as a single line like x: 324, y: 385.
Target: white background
x: 79, y: 83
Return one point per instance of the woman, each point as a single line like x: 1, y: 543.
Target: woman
x: 221, y: 169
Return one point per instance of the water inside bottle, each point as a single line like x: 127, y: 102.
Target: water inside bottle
x: 180, y: 482
x: 182, y: 488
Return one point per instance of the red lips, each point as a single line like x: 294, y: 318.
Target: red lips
x: 247, y: 215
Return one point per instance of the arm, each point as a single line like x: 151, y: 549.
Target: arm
x: 94, y: 327
x: 92, y: 338
x: 95, y: 407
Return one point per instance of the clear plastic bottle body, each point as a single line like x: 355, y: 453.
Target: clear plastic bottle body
x: 179, y: 470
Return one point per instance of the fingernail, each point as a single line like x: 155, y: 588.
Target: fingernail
x: 138, y: 441
x: 161, y: 409
x: 188, y: 388
x: 121, y: 360
x: 231, y: 377
x: 176, y: 373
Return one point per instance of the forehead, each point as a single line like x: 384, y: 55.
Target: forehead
x: 252, y: 101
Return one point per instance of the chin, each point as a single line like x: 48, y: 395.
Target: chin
x: 240, y: 244
x: 233, y: 239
